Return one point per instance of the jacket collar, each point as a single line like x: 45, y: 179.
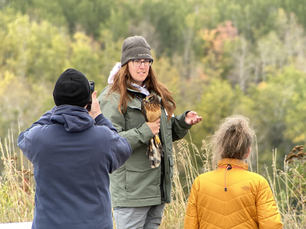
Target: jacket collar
x: 235, y: 163
x: 228, y: 164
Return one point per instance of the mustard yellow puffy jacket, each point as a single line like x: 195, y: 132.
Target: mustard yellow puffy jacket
x: 231, y: 197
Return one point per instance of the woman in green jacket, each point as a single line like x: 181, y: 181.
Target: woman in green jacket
x: 138, y: 189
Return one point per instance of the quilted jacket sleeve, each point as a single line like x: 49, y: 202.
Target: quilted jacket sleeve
x: 267, y: 211
x: 191, y: 217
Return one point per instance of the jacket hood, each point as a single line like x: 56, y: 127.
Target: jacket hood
x: 73, y: 118
x: 113, y: 72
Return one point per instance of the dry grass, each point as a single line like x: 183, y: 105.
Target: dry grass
x: 188, y: 164
x: 16, y: 184
x: 288, y: 185
x: 289, y: 188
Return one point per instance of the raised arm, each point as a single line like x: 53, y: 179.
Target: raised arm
x: 183, y: 122
x: 25, y: 137
x: 136, y: 136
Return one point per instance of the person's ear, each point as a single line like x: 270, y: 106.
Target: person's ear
x: 247, y: 154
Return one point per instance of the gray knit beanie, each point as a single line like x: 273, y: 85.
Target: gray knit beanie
x: 135, y: 47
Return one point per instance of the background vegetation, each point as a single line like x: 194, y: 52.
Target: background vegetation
x: 218, y: 57
x: 287, y: 182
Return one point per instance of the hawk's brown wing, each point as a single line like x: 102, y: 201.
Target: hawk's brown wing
x: 152, y: 112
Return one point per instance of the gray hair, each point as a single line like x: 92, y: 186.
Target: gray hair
x: 233, y: 138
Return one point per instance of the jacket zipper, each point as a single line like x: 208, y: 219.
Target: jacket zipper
x: 228, y: 167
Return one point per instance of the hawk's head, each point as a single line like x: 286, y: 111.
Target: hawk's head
x: 151, y: 107
x: 152, y: 99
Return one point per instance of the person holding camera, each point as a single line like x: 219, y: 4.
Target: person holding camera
x: 73, y: 150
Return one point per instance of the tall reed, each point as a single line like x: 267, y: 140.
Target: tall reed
x: 288, y: 185
x: 16, y: 184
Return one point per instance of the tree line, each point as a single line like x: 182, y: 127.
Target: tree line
x: 219, y: 57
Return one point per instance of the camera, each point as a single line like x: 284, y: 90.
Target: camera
x: 92, y: 89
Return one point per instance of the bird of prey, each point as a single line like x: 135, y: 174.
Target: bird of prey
x: 151, y: 108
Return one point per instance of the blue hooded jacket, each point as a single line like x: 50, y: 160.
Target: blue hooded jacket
x: 72, y: 155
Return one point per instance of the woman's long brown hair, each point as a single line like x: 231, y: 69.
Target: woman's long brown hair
x: 123, y: 80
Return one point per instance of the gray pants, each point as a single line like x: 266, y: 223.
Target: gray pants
x: 138, y: 218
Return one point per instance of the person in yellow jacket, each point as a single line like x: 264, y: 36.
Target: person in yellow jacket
x: 231, y: 196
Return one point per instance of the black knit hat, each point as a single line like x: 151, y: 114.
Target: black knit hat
x: 135, y: 47
x: 72, y: 87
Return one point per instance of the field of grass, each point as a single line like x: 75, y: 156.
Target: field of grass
x: 16, y: 184
x: 287, y: 183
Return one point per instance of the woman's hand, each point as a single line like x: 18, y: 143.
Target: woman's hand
x: 192, y: 118
x: 154, y: 126
x: 95, y: 106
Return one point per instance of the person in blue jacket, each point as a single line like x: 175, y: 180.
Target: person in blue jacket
x: 73, y: 151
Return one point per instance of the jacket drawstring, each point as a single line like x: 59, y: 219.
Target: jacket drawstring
x: 228, y: 167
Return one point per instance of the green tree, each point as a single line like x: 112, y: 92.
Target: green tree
x: 169, y: 76
x: 296, y: 7
x: 217, y: 46
x: 77, y: 15
x: 33, y: 50
x: 109, y: 56
x: 218, y: 101
x: 284, y: 46
x: 21, y: 102
x: 85, y: 56
x: 296, y: 114
x: 276, y: 109
x: 88, y: 15
x: 168, y: 17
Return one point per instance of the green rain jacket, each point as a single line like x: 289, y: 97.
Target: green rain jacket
x: 135, y: 183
